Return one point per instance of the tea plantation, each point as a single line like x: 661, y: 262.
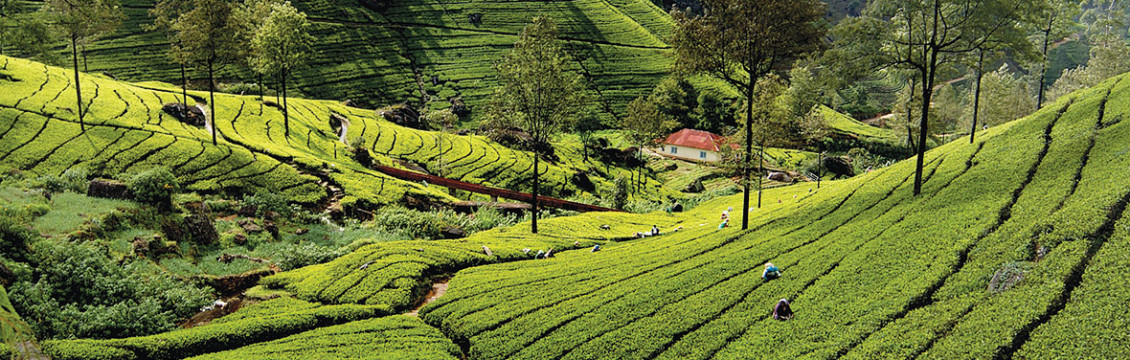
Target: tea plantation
x: 1016, y: 248
x: 414, y: 50
x: 127, y: 131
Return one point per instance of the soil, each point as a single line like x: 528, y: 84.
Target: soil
x: 438, y: 289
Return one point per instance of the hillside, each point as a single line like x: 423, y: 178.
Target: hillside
x: 127, y: 131
x: 417, y: 49
x: 872, y: 270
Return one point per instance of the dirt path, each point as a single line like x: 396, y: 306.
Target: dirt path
x: 207, y: 118
x: 438, y: 289
x: 344, y: 130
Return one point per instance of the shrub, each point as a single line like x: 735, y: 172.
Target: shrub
x: 155, y: 186
x: 265, y: 201
x: 73, y: 180
x: 210, y: 338
x: 75, y: 290
x: 15, y: 239
x: 293, y: 256
x: 7, y: 352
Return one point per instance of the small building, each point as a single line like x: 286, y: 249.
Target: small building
x: 693, y: 145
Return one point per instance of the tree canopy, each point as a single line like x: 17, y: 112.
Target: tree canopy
x: 537, y: 91
x: 742, y: 41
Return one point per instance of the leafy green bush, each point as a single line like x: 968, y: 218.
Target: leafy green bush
x: 400, y: 336
x: 7, y: 352
x: 293, y: 256
x: 15, y: 239
x: 155, y: 186
x: 75, y: 290
x: 73, y: 180
x: 211, y: 338
x: 265, y: 201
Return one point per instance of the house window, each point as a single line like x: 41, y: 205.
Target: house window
x: 674, y: 150
x: 701, y: 154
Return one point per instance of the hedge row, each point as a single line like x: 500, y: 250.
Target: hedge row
x: 392, y: 337
x: 211, y: 338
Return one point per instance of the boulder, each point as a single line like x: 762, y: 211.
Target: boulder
x: 1007, y: 277
x: 677, y: 207
x: 248, y: 210
x: 453, y: 232
x: 361, y: 154
x: 695, y: 187
x: 272, y: 229
x: 779, y: 176
x: 581, y: 181
x: 200, y: 227
x: 239, y: 239
x: 187, y: 114
x: 109, y: 189
x: 459, y: 108
x: 841, y: 167
x: 249, y: 226
x: 404, y: 115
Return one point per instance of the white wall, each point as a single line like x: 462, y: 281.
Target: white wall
x: 687, y: 153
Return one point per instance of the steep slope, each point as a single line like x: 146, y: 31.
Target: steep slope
x: 430, y: 49
x: 127, y: 131
x: 872, y: 270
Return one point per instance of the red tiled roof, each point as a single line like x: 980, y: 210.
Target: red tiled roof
x: 698, y: 139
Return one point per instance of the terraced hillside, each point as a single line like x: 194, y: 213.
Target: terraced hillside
x: 127, y: 131
x: 1015, y: 249
x: 431, y: 49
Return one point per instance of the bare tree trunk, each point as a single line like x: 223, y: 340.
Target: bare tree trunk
x: 760, y: 169
x: 977, y: 94
x: 212, y: 101
x: 286, y: 108
x: 183, y: 92
x: 748, y: 154
x: 819, y: 164
x: 923, y: 131
x: 78, y: 85
x: 1044, y: 65
x: 640, y: 180
x: 277, y: 100
x: 534, y: 204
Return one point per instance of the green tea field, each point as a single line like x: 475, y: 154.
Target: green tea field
x: 425, y: 50
x: 127, y: 131
x: 1015, y: 249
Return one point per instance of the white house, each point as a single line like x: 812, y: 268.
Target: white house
x: 693, y: 145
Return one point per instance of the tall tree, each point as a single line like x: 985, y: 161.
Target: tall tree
x: 25, y: 30
x: 537, y: 92
x: 1110, y: 55
x: 644, y: 124
x: 926, y: 35
x: 1006, y: 97
x: 250, y: 16
x: 204, y: 37
x: 1056, y: 22
x: 281, y: 45
x: 769, y: 120
x: 165, y: 14
x: 815, y: 130
x: 742, y: 41
x: 81, y: 21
